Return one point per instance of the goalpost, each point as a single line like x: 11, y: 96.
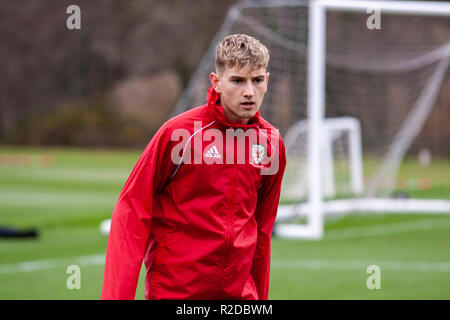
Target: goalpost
x: 316, y: 104
x: 350, y: 102
x: 333, y: 130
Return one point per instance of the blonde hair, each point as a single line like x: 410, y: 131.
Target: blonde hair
x: 241, y: 50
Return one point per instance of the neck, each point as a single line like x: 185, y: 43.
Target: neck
x: 233, y: 118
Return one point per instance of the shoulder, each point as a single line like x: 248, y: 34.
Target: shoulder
x: 187, y: 119
x: 181, y: 125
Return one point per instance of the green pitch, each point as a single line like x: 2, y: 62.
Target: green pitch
x: 67, y: 193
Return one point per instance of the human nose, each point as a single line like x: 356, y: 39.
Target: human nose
x: 248, y: 90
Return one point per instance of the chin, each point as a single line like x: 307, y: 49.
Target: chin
x: 250, y: 112
x: 247, y: 114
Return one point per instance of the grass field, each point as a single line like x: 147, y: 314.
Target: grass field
x: 67, y: 193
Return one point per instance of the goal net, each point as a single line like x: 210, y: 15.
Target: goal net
x: 364, y: 114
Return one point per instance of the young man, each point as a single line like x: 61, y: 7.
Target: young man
x: 200, y: 204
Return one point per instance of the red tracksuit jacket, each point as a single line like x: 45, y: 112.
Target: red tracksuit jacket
x: 199, y: 209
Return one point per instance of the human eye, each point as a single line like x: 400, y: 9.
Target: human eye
x: 236, y: 81
x: 258, y: 80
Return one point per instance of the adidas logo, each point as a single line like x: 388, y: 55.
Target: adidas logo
x: 213, y: 153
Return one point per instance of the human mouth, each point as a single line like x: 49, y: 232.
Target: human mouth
x: 248, y: 104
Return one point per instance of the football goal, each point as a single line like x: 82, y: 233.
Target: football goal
x: 360, y: 91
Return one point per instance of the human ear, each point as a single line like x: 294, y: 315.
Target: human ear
x: 267, y: 81
x: 214, y: 78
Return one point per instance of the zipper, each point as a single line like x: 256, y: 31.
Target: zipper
x: 228, y: 239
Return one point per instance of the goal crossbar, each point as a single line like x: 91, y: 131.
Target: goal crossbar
x: 397, y: 7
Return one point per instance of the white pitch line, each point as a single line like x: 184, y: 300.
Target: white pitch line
x: 352, y: 232
x: 380, y: 229
x: 41, y: 198
x: 322, y: 264
x: 389, y: 228
x: 312, y: 264
x: 36, y: 265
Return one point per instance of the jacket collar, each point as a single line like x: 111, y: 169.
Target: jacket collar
x: 218, y: 114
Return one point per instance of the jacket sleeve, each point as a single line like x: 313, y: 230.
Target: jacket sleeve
x: 131, y: 219
x: 265, y: 214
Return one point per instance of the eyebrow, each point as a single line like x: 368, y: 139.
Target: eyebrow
x: 234, y: 77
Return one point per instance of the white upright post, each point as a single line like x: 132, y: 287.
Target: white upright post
x: 327, y: 136
x: 356, y: 166
x: 315, y: 109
